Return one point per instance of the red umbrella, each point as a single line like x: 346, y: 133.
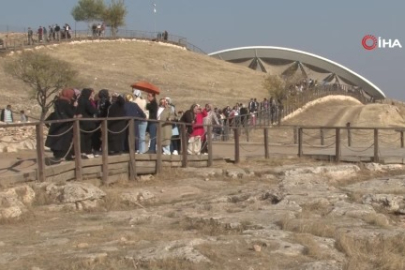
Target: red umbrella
x: 147, y: 87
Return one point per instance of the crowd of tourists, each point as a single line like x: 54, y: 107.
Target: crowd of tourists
x: 146, y: 109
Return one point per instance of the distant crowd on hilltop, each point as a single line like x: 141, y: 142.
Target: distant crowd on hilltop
x: 52, y: 33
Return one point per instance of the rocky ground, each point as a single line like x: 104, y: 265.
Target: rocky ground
x: 274, y: 214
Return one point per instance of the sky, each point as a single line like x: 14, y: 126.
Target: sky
x: 331, y: 29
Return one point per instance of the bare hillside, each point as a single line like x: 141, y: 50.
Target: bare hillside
x: 185, y: 76
x: 337, y: 111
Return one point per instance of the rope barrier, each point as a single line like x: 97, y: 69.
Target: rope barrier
x: 323, y: 146
x: 118, y: 132
x: 63, y: 133
x: 90, y: 131
x: 387, y: 134
x: 360, y: 133
x: 256, y: 149
x: 357, y: 151
x: 396, y: 140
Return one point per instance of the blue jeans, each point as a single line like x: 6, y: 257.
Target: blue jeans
x: 142, y: 136
x: 152, y: 135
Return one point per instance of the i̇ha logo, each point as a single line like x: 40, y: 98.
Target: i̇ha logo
x: 370, y: 42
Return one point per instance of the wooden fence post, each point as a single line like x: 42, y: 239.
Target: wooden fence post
x: 131, y: 146
x: 322, y: 131
x: 295, y: 129
x: 338, y: 149
x: 159, y: 147
x: 104, y: 150
x: 349, y: 135
x: 300, y: 139
x: 209, y: 142
x: 376, y: 155
x: 236, y: 136
x: 76, y: 144
x: 266, y: 143
x: 40, y: 152
x: 184, y: 145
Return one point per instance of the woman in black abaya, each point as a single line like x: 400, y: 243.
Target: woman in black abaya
x: 116, y: 141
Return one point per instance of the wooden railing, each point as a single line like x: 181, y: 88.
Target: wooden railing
x: 41, y: 155
x: 374, y: 144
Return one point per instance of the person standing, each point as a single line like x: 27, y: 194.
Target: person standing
x: 132, y: 109
x: 60, y: 135
x: 30, y: 35
x: 86, y: 110
x: 23, y: 118
x: 165, y: 114
x: 142, y: 125
x: 39, y: 32
x: 116, y: 128
x: 7, y: 115
x: 57, y: 32
x: 44, y: 33
x: 152, y: 107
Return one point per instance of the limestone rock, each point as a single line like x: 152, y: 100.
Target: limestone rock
x: 320, y: 265
x: 10, y: 149
x: 205, y: 172
x: 72, y: 196
x: 391, y: 202
x: 235, y: 173
x: 13, y: 201
x: 137, y: 196
x: 145, y: 178
x: 180, y: 249
x: 351, y: 210
x: 379, y: 186
x: 78, y: 192
x: 336, y: 172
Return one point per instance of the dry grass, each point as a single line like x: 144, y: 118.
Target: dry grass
x: 312, y: 248
x: 211, y: 227
x: 379, y: 220
x: 373, y: 253
x: 325, y: 227
x: 185, y: 76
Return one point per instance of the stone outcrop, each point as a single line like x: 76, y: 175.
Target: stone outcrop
x: 14, y: 201
x: 13, y: 139
x: 71, y: 196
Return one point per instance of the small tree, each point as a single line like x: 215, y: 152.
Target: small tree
x: 44, y: 74
x: 114, y: 15
x: 88, y: 11
x: 279, y: 87
x: 276, y: 87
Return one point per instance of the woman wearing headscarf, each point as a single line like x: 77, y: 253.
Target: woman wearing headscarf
x: 165, y: 114
x: 132, y: 109
x: 142, y: 125
x: 116, y: 132
x: 198, y: 132
x: 64, y: 108
x: 188, y: 118
x: 85, y: 109
x: 103, y: 103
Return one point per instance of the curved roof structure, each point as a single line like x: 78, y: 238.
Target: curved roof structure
x: 279, y: 60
